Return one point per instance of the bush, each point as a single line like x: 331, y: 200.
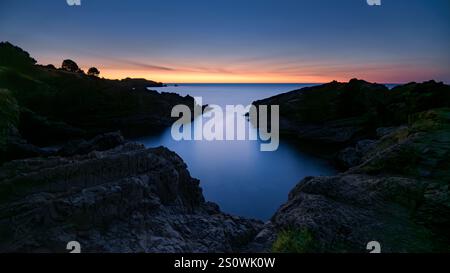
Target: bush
x: 294, y: 241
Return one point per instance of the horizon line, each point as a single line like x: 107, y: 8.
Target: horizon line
x: 274, y: 82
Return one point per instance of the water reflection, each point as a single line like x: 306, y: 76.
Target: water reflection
x: 236, y: 174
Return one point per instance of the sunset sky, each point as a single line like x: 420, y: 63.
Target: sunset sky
x: 310, y: 41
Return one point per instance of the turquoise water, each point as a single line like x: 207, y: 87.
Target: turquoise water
x: 235, y: 174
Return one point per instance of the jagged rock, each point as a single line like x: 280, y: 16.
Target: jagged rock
x: 345, y: 212
x: 353, y: 156
x: 398, y: 195
x: 99, y: 143
x: 420, y: 149
x: 128, y: 199
x: 397, y: 188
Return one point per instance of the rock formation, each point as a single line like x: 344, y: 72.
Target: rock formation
x: 395, y: 189
x: 126, y: 199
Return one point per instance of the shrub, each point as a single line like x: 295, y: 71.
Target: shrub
x: 294, y: 241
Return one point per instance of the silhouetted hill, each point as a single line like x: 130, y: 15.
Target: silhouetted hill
x: 56, y: 104
x: 13, y: 56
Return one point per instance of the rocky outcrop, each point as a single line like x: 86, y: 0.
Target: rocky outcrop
x: 127, y: 199
x: 353, y: 156
x: 334, y: 113
x: 99, y: 143
x: 340, y: 114
x: 139, y: 84
x: 345, y: 212
x: 394, y: 148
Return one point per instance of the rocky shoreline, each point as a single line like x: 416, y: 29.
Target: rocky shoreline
x: 394, y: 187
x: 116, y: 196
x: 125, y: 199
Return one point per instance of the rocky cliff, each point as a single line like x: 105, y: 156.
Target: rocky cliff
x: 125, y: 199
x: 395, y: 185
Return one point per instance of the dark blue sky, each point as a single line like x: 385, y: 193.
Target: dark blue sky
x: 238, y: 40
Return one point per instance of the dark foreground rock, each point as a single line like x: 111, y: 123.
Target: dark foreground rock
x: 346, y: 212
x: 99, y: 143
x: 398, y: 195
x: 128, y: 199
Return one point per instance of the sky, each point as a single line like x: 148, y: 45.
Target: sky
x: 238, y: 41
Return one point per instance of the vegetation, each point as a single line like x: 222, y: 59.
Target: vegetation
x: 294, y: 241
x: 13, y: 56
x: 93, y: 72
x: 70, y: 66
x: 9, y: 112
x: 420, y: 149
x: 77, y: 101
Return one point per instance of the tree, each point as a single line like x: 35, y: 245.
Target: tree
x: 93, y: 71
x: 70, y: 66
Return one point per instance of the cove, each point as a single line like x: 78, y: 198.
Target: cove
x: 236, y: 175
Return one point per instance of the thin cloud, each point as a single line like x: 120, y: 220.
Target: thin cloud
x: 143, y: 65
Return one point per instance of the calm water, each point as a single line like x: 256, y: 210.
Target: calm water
x: 236, y: 174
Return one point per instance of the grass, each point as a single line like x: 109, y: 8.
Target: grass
x: 294, y: 241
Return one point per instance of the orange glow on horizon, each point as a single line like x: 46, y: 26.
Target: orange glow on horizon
x: 202, y: 77
x: 378, y: 73
x: 204, y: 71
